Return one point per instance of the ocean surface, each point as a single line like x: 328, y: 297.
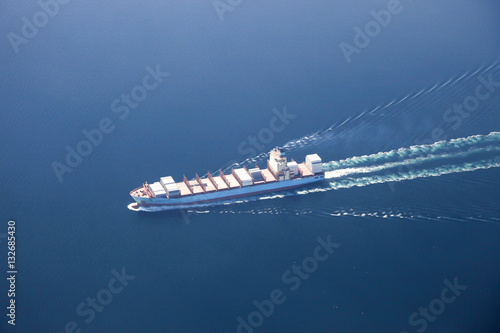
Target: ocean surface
x: 399, y: 98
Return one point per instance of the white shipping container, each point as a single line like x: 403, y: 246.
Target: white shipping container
x: 317, y: 167
x: 243, y: 176
x: 172, y: 190
x: 313, y: 163
x: 293, y: 166
x: 157, y: 189
x: 253, y: 171
x: 172, y: 187
x: 313, y: 158
x: 167, y: 180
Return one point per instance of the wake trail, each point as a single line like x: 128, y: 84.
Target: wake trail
x: 441, y: 158
x: 419, y: 153
x: 409, y: 175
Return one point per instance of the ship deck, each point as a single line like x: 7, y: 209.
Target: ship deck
x: 195, y: 187
x: 184, y: 190
x: 268, y: 176
x: 139, y: 192
x: 304, y: 171
x: 220, y: 183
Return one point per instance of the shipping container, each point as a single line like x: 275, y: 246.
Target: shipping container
x: 256, y: 174
x: 243, y: 177
x: 158, y: 190
x: 172, y: 190
x: 313, y: 163
x: 294, y: 167
x: 167, y: 180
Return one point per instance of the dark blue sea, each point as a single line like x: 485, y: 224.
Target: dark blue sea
x: 400, y: 99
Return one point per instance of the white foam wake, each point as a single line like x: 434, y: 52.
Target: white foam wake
x: 408, y: 175
x: 415, y: 154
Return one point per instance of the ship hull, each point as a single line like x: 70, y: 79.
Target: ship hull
x: 228, y: 194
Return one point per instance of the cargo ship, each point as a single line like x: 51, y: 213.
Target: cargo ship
x: 278, y: 175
